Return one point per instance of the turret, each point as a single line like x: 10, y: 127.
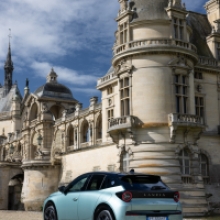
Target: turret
x: 213, y: 40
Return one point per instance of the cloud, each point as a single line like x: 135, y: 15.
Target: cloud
x: 64, y: 74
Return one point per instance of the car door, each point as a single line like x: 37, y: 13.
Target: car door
x: 88, y: 199
x: 72, y: 196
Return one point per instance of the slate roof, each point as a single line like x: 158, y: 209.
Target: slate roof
x: 54, y: 90
x: 201, y: 29
x: 149, y: 10
x: 6, y: 102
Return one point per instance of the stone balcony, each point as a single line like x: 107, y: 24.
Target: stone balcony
x: 187, y: 123
x: 121, y: 123
x: 185, y: 120
x: 148, y: 43
x: 106, y: 79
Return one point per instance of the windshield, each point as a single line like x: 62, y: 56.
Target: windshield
x: 142, y: 182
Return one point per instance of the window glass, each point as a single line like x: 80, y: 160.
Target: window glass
x: 79, y: 184
x: 142, y: 182
x: 109, y: 182
x: 95, y: 182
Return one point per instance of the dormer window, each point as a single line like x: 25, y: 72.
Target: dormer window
x: 123, y: 33
x: 178, y: 28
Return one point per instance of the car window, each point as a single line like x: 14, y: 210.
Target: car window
x: 79, y: 184
x: 109, y: 182
x: 142, y: 182
x: 95, y: 182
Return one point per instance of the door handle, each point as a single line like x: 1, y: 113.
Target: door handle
x: 75, y: 199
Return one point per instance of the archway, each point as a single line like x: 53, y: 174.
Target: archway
x: 57, y: 111
x: 14, y: 192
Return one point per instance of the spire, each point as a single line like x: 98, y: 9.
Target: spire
x: 8, y: 62
x: 8, y: 70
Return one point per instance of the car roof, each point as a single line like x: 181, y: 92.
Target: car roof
x: 119, y: 173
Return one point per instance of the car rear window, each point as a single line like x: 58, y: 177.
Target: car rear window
x: 142, y: 182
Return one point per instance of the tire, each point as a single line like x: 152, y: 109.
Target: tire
x: 104, y: 215
x: 50, y: 213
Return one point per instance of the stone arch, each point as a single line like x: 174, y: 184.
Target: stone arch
x: 84, y: 131
x: 57, y: 111
x: 14, y: 192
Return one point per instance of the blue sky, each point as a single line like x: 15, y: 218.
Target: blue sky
x: 75, y: 37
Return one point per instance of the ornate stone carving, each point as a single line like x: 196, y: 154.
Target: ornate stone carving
x: 124, y: 66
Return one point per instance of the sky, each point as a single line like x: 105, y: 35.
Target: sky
x: 75, y: 37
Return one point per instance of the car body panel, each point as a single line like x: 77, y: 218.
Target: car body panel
x: 87, y: 203
x: 82, y: 205
x: 153, y: 204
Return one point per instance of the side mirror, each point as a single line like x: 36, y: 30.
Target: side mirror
x: 62, y: 189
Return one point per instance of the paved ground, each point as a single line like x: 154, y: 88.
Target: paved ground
x: 18, y: 215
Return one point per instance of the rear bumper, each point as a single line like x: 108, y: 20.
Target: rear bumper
x: 142, y: 215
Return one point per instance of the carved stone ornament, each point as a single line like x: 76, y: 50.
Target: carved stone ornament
x: 124, y: 66
x: 179, y: 61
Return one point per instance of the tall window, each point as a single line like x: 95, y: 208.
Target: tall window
x: 198, y: 75
x: 184, y: 162
x: 125, y: 160
x: 181, y: 89
x: 71, y: 136
x: 109, y: 90
x: 110, y: 114
x: 199, y: 104
x: 178, y: 28
x: 204, y: 168
x: 85, y: 132
x: 125, y: 96
x: 218, y: 50
x: 123, y: 33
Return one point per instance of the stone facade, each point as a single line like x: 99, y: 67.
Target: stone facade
x: 159, y: 114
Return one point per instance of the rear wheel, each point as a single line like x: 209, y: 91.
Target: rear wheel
x: 104, y: 215
x: 50, y: 213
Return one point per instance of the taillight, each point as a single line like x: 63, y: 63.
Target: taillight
x: 126, y: 196
x: 176, y: 196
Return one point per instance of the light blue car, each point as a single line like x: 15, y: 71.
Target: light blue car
x: 113, y: 196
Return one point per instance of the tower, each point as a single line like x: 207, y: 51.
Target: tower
x: 148, y: 94
x: 8, y: 72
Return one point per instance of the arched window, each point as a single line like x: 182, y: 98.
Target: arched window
x: 70, y: 136
x: 204, y: 168
x: 85, y: 132
x: 184, y: 160
x: 99, y: 128
x: 34, y: 112
x: 57, y: 111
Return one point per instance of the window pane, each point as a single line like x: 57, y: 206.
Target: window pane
x: 95, y: 182
x: 185, y: 105
x: 187, y: 170
x: 178, y: 104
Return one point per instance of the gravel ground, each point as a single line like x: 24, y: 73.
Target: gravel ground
x: 19, y: 215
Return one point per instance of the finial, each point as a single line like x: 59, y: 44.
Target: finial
x: 9, y: 36
x: 27, y: 83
